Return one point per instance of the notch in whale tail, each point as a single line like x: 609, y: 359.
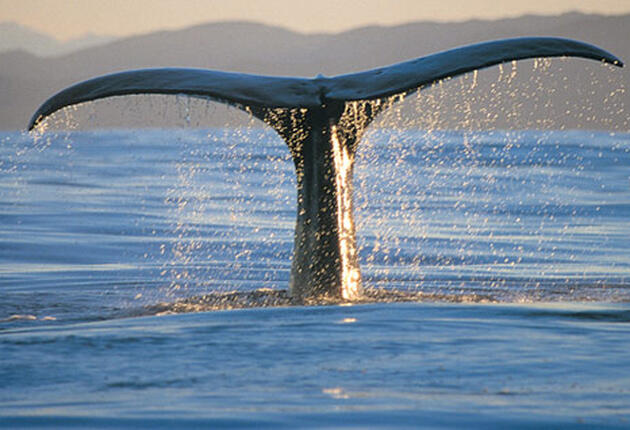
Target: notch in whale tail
x: 308, y: 114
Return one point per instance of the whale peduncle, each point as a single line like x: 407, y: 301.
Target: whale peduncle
x: 323, y: 144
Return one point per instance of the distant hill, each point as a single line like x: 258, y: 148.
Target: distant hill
x: 14, y: 37
x: 26, y: 80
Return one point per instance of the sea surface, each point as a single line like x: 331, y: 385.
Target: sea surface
x: 519, y: 240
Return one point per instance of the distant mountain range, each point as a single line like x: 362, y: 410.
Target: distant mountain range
x: 14, y: 37
x: 26, y: 80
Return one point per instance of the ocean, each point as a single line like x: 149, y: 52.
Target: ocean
x: 517, y: 240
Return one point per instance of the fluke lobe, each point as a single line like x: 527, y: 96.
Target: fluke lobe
x: 321, y: 120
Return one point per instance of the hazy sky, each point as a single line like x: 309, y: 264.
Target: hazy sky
x: 71, y: 18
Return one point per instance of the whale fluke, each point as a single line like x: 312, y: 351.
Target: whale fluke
x: 281, y: 92
x: 413, y: 74
x: 321, y: 119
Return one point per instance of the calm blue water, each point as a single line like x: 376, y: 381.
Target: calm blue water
x: 520, y: 238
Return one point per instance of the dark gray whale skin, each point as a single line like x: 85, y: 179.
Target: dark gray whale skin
x: 309, y: 115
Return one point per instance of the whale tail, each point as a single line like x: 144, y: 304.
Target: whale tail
x: 321, y: 120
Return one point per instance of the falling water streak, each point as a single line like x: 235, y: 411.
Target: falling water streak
x: 513, y: 73
x: 351, y: 277
x: 181, y: 199
x: 499, y: 106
